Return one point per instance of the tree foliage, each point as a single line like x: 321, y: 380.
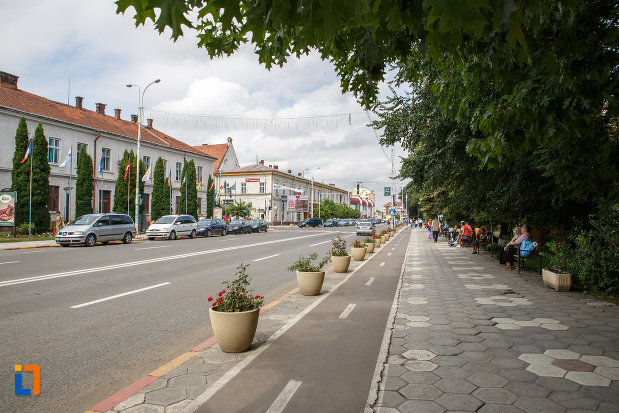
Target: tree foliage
x: 120, y: 190
x: 239, y: 208
x: 40, y: 181
x: 160, y: 204
x: 20, y: 175
x: 331, y: 209
x: 84, y: 186
x: 210, y: 197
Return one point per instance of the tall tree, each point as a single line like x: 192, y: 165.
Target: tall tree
x: 189, y: 190
x: 210, y: 197
x: 84, y: 185
x: 120, y: 190
x: 20, y: 175
x: 40, y: 181
x: 160, y: 204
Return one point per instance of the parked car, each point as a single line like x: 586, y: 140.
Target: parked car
x: 239, y: 226
x: 90, y: 228
x: 172, y: 227
x: 208, y: 227
x: 344, y: 223
x: 258, y: 225
x: 310, y: 222
x: 365, y: 227
x: 332, y: 223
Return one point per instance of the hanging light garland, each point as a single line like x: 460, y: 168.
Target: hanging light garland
x: 270, y: 122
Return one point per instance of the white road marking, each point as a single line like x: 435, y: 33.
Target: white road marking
x: 324, y: 242
x: 382, y: 264
x: 143, y: 262
x: 347, y: 311
x: 388, y: 254
x: 393, y: 248
x: 9, y: 262
x: 284, y: 397
x: 150, y: 248
x: 120, y: 295
x: 370, y: 281
x: 264, y: 258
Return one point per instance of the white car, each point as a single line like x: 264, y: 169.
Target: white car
x: 173, y: 226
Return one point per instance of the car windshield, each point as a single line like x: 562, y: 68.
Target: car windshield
x: 254, y: 222
x: 238, y: 222
x: 168, y: 219
x: 205, y: 222
x: 86, y: 220
x: 364, y: 223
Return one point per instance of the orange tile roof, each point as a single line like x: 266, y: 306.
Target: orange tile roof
x: 217, y: 151
x: 32, y: 104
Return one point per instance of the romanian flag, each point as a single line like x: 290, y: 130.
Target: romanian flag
x: 200, y: 184
x: 184, y: 179
x: 127, y: 169
x: 28, y: 152
x: 170, y: 178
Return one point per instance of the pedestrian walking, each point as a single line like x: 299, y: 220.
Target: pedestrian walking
x: 59, y: 222
x: 436, y: 227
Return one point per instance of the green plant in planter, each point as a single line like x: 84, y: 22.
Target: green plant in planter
x: 369, y: 240
x: 305, y: 264
x: 236, y: 296
x: 339, y: 247
x: 559, y: 257
x: 357, y: 244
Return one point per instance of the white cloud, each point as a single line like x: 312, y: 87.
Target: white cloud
x: 102, y: 51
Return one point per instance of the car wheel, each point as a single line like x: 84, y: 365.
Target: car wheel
x: 209, y: 233
x: 64, y: 245
x: 224, y: 232
x: 172, y: 235
x: 151, y: 238
x: 127, y: 238
x: 90, y: 240
x: 193, y: 234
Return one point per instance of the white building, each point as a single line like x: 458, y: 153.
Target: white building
x: 273, y: 192
x: 105, y: 138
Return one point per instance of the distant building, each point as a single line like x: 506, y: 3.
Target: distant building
x: 399, y: 207
x: 273, y: 193
x: 364, y: 201
x: 105, y: 138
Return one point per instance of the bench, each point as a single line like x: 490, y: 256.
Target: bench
x: 520, y: 259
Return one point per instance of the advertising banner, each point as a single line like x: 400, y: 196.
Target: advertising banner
x: 7, y: 209
x: 298, y: 203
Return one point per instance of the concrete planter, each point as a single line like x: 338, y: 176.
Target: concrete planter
x: 340, y: 264
x: 310, y: 283
x: 234, y: 331
x: 377, y: 242
x: 558, y: 281
x: 383, y: 239
x: 358, y: 253
x: 370, y: 247
x: 391, y: 233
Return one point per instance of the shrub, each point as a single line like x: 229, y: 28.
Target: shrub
x: 339, y: 247
x: 22, y: 229
x: 305, y: 264
x: 236, y: 296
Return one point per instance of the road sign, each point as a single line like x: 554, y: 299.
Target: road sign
x: 387, y: 191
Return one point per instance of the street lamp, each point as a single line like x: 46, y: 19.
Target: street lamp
x: 312, y: 201
x: 137, y: 156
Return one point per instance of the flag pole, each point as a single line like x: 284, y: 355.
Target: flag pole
x: 70, y: 176
x: 30, y: 209
x: 128, y: 191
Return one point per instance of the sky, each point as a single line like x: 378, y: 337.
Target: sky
x: 66, y: 48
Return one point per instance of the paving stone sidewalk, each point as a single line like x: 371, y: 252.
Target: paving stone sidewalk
x: 200, y: 370
x: 471, y: 336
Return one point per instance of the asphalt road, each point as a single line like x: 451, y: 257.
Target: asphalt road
x: 88, y: 352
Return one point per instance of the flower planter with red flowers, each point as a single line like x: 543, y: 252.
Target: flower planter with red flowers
x: 234, y: 313
x: 369, y: 245
x: 339, y: 255
x: 358, y: 250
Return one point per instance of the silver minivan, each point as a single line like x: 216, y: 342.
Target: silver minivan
x: 90, y: 228
x: 173, y: 226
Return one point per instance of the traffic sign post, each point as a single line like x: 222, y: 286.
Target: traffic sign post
x: 387, y: 191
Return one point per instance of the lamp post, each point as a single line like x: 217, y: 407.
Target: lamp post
x: 137, y: 156
x: 312, y: 200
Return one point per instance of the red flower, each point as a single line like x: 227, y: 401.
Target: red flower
x: 219, y: 301
x: 219, y: 294
x: 256, y: 297
x: 214, y: 304
x: 223, y: 292
x: 210, y: 299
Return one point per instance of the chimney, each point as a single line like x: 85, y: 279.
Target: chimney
x: 229, y: 141
x: 117, y: 113
x: 299, y: 174
x: 274, y: 166
x: 262, y: 162
x: 8, y: 80
x: 289, y: 171
x: 78, y: 102
x: 100, y: 108
x: 134, y: 118
x: 149, y: 123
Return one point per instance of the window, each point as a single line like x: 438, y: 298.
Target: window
x: 106, y: 155
x: 165, y: 167
x: 243, y: 188
x: 52, y: 203
x: 53, y: 150
x: 146, y: 160
x: 179, y: 168
x: 104, y: 201
x: 262, y: 187
x: 178, y: 204
x: 199, y: 174
x: 79, y: 149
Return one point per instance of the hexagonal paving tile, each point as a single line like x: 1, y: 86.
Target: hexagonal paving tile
x: 420, y: 391
x: 455, y: 386
x: 420, y: 365
x: 495, y: 396
x: 165, y: 397
x: 561, y: 354
x: 420, y: 406
x: 588, y: 379
x: 600, y: 361
x: 573, y: 365
x: 610, y: 372
x: 487, y: 380
x: 452, y: 401
x: 419, y: 355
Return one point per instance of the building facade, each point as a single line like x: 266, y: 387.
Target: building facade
x: 105, y: 138
x: 275, y: 195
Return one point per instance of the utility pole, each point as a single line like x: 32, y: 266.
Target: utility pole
x: 393, y: 186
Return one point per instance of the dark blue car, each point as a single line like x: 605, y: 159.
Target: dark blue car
x: 208, y: 227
